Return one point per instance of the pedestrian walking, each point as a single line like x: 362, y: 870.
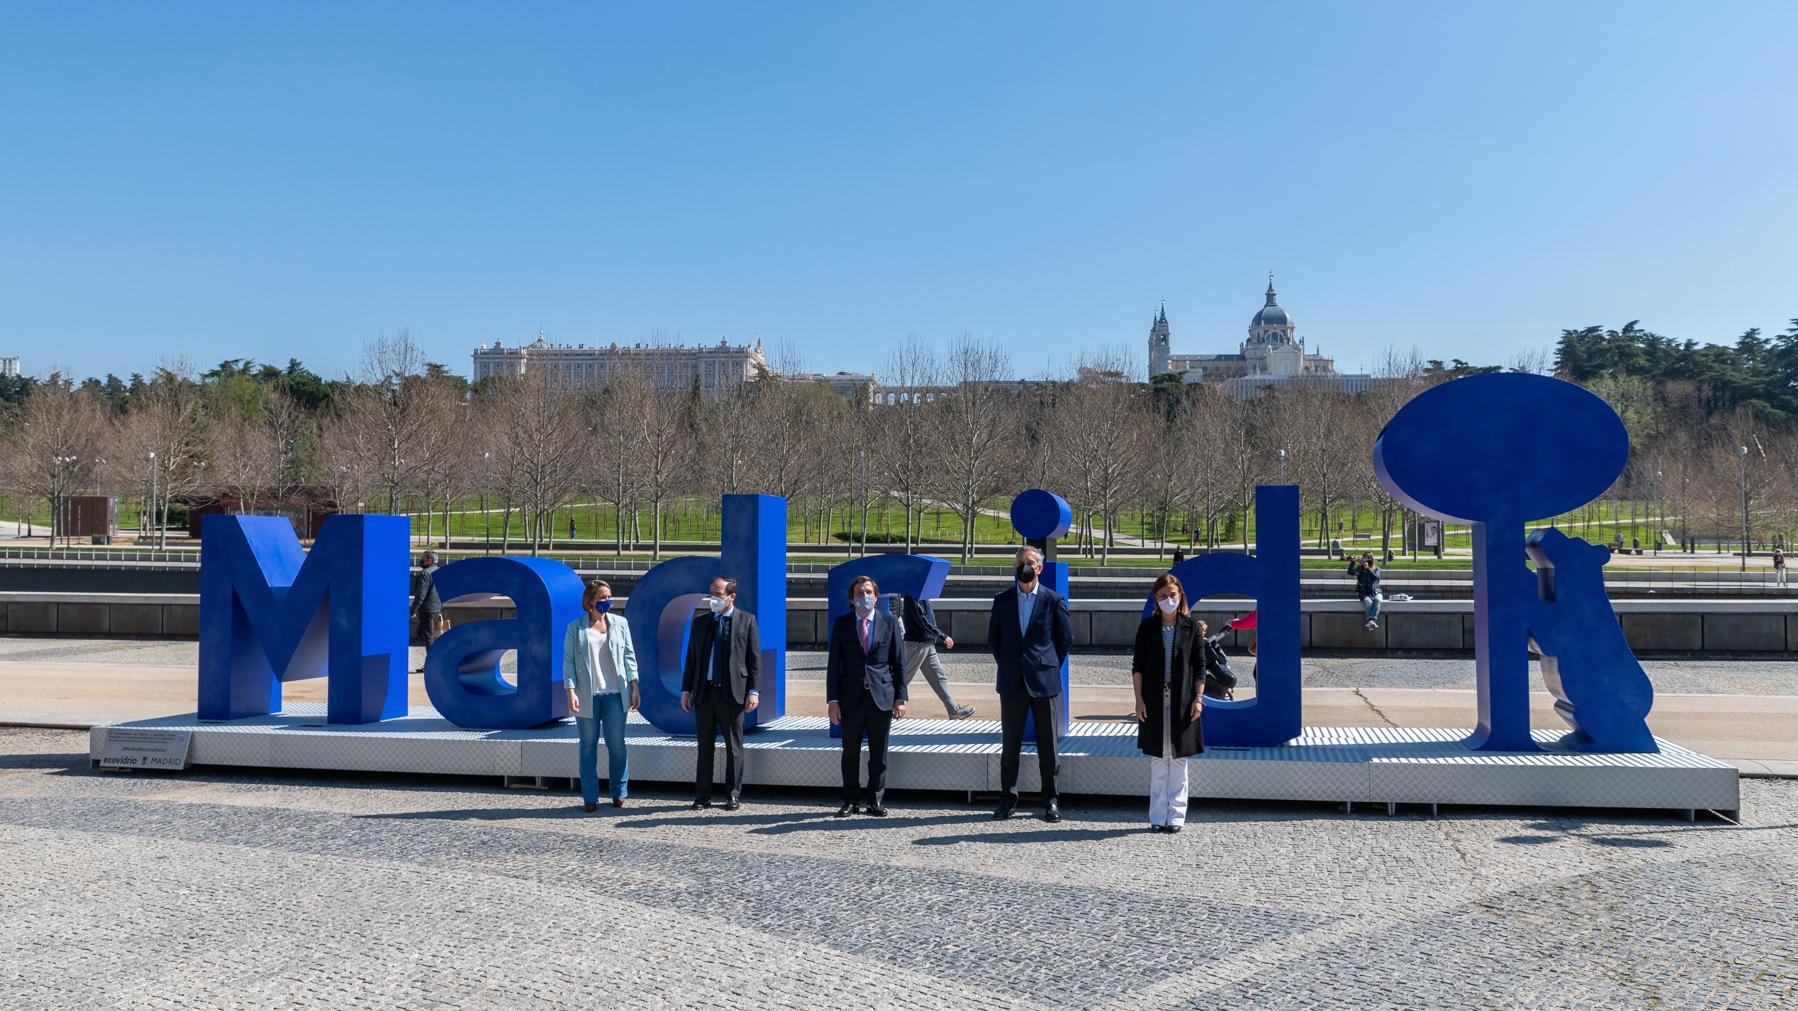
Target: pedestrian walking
x: 427, y: 607
x: 1779, y: 567
x: 922, y: 638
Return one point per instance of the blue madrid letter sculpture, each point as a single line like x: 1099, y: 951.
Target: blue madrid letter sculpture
x: 1496, y: 451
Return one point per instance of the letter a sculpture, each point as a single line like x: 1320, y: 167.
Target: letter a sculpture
x: 1497, y: 451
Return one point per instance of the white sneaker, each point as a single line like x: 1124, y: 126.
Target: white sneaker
x: 1372, y: 625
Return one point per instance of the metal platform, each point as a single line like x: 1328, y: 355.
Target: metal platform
x: 1349, y: 765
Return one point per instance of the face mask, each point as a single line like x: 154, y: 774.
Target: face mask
x: 602, y: 606
x: 864, y: 603
x: 1168, y: 604
x: 717, y: 604
x: 1026, y: 573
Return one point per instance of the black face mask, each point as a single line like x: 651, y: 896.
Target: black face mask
x: 1026, y: 573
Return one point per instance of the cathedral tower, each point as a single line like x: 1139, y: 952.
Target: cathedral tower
x: 1158, y: 343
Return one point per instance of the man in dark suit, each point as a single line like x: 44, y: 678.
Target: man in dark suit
x: 864, y: 681
x: 720, y: 682
x: 1030, y: 634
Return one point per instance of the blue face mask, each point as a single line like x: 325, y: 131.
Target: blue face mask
x: 602, y: 606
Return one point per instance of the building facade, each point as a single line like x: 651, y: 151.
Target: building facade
x: 9, y: 366
x: 1272, y: 357
x: 671, y: 368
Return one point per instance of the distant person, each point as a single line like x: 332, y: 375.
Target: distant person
x: 1179, y: 555
x: 427, y: 606
x: 1779, y: 566
x: 864, y: 685
x: 1030, y: 634
x: 1167, y: 667
x: 720, y: 681
x: 923, y: 637
x: 599, y: 666
x: 1367, y: 587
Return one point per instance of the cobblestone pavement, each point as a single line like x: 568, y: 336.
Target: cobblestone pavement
x: 1703, y: 677
x: 341, y: 891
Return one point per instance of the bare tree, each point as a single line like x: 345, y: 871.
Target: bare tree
x: 1099, y: 423
x: 539, y: 431
x: 973, y: 424
x: 54, y: 444
x: 904, y: 452
x: 168, y: 418
x: 384, y: 420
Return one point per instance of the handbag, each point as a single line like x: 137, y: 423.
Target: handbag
x: 439, y: 624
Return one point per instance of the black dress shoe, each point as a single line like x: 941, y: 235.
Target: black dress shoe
x: 877, y: 811
x: 617, y: 801
x: 589, y: 808
x: 1171, y: 829
x: 1155, y: 828
x: 1051, y: 812
x: 698, y: 804
x: 731, y: 805
x: 1005, y: 810
x: 847, y: 809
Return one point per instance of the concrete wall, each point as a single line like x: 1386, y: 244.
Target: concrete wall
x: 1436, y: 626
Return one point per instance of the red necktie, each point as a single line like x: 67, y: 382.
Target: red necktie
x: 864, y: 632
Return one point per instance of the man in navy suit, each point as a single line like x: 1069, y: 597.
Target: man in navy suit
x: 1031, y: 635
x: 864, y: 682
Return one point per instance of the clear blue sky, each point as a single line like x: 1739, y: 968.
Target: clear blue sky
x: 227, y: 180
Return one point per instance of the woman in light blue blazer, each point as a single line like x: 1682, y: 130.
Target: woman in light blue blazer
x: 599, y: 665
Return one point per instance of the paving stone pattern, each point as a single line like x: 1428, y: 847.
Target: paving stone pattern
x: 974, y: 666
x: 345, y: 891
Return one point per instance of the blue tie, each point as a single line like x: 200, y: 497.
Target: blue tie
x: 721, y: 651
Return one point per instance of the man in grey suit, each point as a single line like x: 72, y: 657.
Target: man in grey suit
x: 720, y: 681
x: 1031, y: 634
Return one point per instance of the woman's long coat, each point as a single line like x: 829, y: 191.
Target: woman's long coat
x: 1189, y: 675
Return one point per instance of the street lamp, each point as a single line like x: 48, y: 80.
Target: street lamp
x: 1282, y: 453
x: 58, y: 522
x: 1742, y: 452
x: 862, y: 455
x: 1656, y: 531
x: 152, y: 458
x: 486, y: 488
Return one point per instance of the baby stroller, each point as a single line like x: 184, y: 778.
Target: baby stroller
x: 1220, y: 680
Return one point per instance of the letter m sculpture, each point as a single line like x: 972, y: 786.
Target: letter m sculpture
x: 270, y: 612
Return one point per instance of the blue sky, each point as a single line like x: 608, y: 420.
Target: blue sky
x: 228, y: 180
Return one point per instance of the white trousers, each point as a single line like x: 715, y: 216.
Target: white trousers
x: 1167, y: 774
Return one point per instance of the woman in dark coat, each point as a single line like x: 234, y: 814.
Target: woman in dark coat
x: 1168, y: 670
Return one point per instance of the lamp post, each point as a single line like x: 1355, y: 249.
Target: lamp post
x: 1660, y: 513
x: 1282, y: 453
x: 486, y: 489
x: 151, y: 456
x: 1742, y: 452
x: 59, y: 521
x: 862, y: 455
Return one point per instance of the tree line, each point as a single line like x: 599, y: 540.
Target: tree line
x: 1182, y: 460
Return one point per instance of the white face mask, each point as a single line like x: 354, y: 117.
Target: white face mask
x: 1168, y: 604
x: 864, y: 603
x: 717, y: 604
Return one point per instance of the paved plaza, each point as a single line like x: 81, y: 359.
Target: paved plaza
x: 334, y: 891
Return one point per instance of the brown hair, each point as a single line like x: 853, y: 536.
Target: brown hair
x: 857, y: 585
x: 1169, y: 579
x: 592, y: 591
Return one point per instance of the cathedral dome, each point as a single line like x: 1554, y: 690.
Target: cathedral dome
x: 1271, y: 314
